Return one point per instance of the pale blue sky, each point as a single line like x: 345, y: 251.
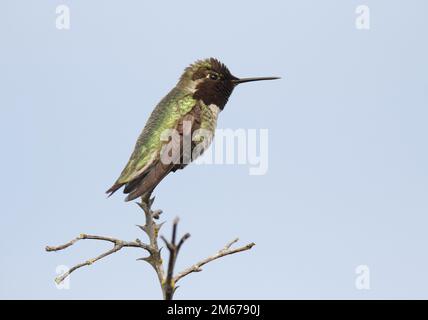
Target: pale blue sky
x: 348, y: 176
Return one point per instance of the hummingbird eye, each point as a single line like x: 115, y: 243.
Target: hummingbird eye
x: 213, y: 76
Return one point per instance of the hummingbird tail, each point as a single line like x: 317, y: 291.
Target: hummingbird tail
x: 148, y: 181
x: 142, y: 184
x: 114, y: 188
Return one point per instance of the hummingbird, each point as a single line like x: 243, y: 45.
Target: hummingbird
x: 192, y: 106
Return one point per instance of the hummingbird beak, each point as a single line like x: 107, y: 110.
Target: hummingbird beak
x: 243, y: 80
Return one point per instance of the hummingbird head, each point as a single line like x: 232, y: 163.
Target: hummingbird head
x: 212, y: 82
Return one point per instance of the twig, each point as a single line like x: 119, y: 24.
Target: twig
x: 151, y: 228
x: 223, y: 252
x: 169, y: 285
x: 118, y: 244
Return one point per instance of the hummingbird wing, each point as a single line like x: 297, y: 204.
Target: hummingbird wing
x: 144, y: 162
x: 159, y: 169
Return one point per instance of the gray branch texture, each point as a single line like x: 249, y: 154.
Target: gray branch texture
x: 167, y: 279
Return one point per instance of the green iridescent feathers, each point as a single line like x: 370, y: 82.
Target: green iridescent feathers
x: 165, y: 116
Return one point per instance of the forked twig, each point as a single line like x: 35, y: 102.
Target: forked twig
x: 118, y: 245
x: 151, y: 228
x: 173, y: 248
x: 221, y: 253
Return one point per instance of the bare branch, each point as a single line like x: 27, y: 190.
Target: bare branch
x: 222, y: 253
x: 151, y: 229
x: 118, y: 244
x: 169, y: 285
